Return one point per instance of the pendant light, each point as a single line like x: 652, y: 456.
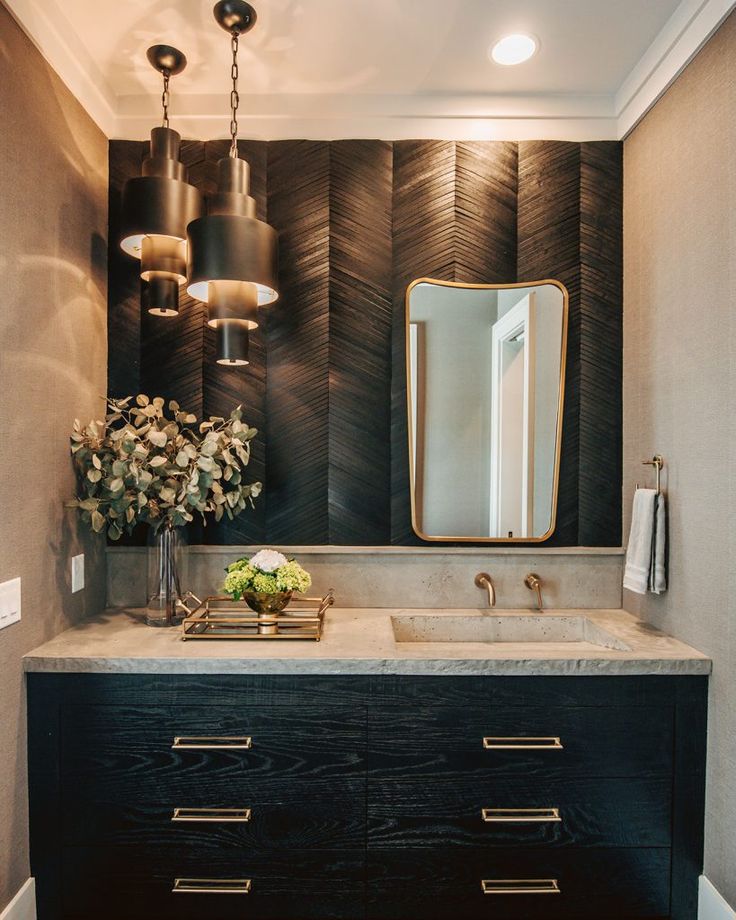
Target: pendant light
x: 231, y: 254
x: 158, y: 205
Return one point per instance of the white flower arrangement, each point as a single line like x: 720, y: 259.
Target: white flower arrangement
x: 268, y: 560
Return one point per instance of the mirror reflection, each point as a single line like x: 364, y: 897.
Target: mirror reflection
x: 485, y: 378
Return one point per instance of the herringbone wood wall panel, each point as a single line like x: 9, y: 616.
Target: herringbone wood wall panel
x: 360, y: 315
x: 601, y: 342
x: 226, y: 387
x: 297, y: 398
x: 549, y: 247
x: 454, y: 219
x: 124, y: 286
x: 358, y: 221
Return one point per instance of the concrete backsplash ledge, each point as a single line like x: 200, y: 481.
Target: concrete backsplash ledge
x: 401, y: 576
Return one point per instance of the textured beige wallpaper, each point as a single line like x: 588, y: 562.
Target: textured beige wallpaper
x: 680, y: 383
x: 53, y: 355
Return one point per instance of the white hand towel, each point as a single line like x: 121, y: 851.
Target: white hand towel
x: 657, y: 569
x: 641, y: 536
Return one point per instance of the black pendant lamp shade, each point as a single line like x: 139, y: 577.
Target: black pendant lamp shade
x: 158, y: 205
x: 232, y: 342
x: 160, y: 296
x: 232, y: 254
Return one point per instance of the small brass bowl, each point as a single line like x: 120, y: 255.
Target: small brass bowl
x: 267, y: 603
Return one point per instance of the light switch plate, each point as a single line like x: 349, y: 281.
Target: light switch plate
x: 77, y: 573
x: 9, y: 602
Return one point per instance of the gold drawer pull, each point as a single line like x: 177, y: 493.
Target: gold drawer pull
x: 521, y: 815
x: 211, y: 886
x: 212, y: 743
x: 522, y: 744
x: 520, y: 886
x: 212, y: 815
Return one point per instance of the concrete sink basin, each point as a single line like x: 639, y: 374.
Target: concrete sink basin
x: 522, y: 629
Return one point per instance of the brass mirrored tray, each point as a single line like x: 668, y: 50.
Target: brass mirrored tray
x: 220, y: 617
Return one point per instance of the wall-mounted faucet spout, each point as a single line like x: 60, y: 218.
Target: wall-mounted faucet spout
x: 534, y: 583
x: 484, y: 580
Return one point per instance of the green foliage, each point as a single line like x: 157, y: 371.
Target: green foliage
x: 243, y: 576
x: 292, y: 577
x: 141, y: 465
x: 265, y: 584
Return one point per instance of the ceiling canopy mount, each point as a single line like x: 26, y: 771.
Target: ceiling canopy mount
x: 166, y: 59
x: 235, y: 16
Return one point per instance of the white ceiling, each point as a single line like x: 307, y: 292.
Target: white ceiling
x: 376, y: 68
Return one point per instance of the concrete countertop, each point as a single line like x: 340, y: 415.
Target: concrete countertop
x: 361, y: 641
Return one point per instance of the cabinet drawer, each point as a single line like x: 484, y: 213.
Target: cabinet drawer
x: 617, y: 883
x: 214, y: 783
x: 483, y: 742
x: 584, y: 812
x: 282, y: 816
x: 119, y: 883
x: 137, y: 744
x: 533, y: 693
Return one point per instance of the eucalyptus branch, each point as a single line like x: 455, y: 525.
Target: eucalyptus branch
x: 140, y: 465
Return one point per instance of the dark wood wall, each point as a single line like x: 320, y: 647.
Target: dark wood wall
x: 358, y: 220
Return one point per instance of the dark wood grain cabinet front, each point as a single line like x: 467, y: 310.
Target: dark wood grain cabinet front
x: 214, y: 777
x: 511, y: 885
x: 123, y: 883
x: 379, y: 798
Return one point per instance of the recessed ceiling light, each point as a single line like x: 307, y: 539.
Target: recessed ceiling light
x: 514, y: 49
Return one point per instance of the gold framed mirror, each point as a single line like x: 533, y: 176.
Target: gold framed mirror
x: 485, y: 384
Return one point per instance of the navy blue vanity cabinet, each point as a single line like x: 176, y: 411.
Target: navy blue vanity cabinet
x: 535, y: 797
x: 198, y: 797
x: 366, y: 798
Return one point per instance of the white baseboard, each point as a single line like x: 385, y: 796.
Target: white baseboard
x: 23, y: 905
x: 711, y: 906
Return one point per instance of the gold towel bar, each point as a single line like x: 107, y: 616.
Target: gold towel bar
x: 657, y: 461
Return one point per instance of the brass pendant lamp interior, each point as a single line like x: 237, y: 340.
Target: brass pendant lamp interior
x: 231, y: 254
x: 158, y: 205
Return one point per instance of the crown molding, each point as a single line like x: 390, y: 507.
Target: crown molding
x: 45, y: 24
x: 683, y: 35
x: 388, y: 117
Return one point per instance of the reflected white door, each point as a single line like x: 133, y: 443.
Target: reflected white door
x: 513, y: 352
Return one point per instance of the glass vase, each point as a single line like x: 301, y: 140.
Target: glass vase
x: 166, y: 561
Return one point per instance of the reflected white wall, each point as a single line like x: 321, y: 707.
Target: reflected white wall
x: 457, y: 398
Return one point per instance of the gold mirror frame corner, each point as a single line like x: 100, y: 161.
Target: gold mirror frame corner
x: 560, y: 407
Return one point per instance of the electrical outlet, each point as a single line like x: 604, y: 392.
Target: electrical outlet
x: 9, y: 602
x: 77, y: 573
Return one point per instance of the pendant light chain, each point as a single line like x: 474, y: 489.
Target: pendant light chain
x: 234, y: 97
x: 165, y: 99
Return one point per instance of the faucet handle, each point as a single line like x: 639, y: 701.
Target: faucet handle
x: 484, y: 580
x: 534, y: 583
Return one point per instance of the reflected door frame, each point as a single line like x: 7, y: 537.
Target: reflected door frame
x: 517, y: 324
x: 416, y: 397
